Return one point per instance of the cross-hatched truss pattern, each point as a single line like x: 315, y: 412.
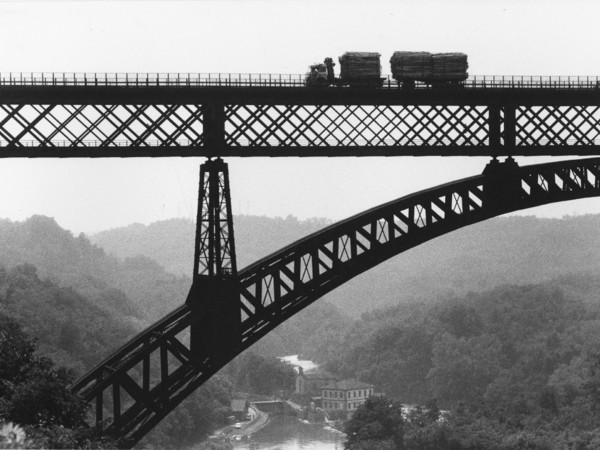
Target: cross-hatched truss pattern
x: 215, y: 249
x: 99, y: 125
x: 76, y: 121
x: 558, y: 125
x: 356, y: 125
x: 143, y: 381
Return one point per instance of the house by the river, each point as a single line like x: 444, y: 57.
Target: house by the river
x: 342, y: 398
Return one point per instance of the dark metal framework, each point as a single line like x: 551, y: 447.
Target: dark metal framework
x: 143, y: 381
x: 215, y: 249
x: 212, y: 120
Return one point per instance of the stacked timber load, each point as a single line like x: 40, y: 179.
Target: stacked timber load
x: 414, y: 66
x: 450, y: 66
x: 360, y: 65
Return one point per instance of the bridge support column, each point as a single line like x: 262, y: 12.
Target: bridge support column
x: 502, y: 185
x: 214, y: 296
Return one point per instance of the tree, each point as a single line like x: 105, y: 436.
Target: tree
x: 426, y: 429
x: 35, y: 394
x: 43, y: 398
x: 264, y: 375
x: 461, y: 321
x: 16, y: 354
x: 463, y: 368
x: 376, y: 424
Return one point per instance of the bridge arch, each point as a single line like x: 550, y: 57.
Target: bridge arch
x: 149, y: 376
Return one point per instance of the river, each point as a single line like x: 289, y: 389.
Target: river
x: 295, y: 361
x: 290, y: 433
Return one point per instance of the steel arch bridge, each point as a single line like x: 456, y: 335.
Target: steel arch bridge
x: 226, y: 311
x: 144, y: 380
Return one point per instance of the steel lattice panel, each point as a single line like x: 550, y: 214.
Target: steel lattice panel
x: 100, y: 125
x: 276, y: 286
x: 558, y: 125
x: 356, y: 125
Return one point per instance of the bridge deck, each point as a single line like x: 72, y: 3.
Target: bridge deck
x: 130, y: 115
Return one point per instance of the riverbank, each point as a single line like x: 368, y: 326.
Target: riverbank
x: 241, y: 430
x: 247, y: 428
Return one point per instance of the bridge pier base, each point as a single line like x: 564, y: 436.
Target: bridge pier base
x: 502, y: 185
x: 215, y: 331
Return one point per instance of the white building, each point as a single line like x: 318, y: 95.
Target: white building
x: 346, y: 396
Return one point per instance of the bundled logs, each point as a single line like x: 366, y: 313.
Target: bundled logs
x: 360, y: 65
x: 428, y: 67
x: 411, y: 65
x: 449, y: 66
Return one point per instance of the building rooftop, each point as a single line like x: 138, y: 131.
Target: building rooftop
x: 348, y: 385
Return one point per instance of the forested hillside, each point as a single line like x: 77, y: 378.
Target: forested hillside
x: 502, y: 250
x: 503, y: 316
x: 516, y: 366
x: 71, y: 329
x: 136, y: 286
x: 74, y: 307
x: 455, y: 348
x: 79, y: 304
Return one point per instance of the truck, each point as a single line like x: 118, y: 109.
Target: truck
x: 363, y: 69
x: 432, y: 69
x: 357, y: 69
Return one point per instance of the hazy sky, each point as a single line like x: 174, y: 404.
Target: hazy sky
x: 501, y: 37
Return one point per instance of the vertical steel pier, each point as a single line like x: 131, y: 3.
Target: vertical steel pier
x: 214, y: 296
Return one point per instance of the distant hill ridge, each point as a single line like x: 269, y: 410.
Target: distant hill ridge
x: 136, y: 286
x: 516, y: 249
x: 171, y: 242
x: 508, y: 250
x: 133, y: 291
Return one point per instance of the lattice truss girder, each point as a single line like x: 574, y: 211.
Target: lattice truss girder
x: 100, y: 125
x: 138, y: 385
x: 557, y: 125
x: 356, y: 125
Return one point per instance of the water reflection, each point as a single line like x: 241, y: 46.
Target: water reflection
x: 295, y: 361
x: 289, y: 433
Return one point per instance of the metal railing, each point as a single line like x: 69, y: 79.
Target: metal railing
x: 276, y: 80
x: 98, y: 143
x: 151, y: 79
x: 531, y: 81
x: 303, y: 143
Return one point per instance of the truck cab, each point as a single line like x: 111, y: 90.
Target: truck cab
x: 316, y: 75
